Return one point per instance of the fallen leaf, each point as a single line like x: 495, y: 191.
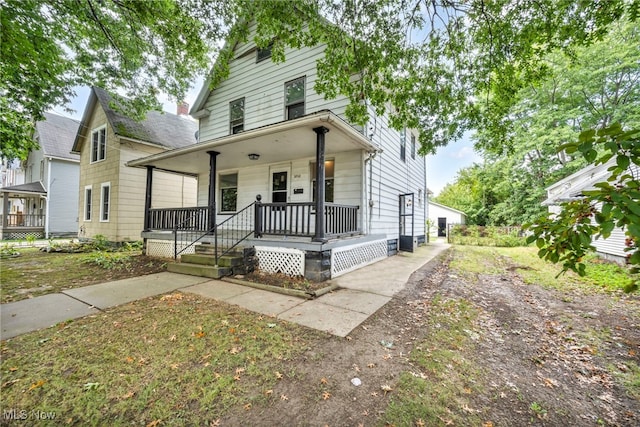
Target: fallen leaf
x: 268, y: 392
x: 172, y: 338
x: 323, y: 380
x: 128, y: 395
x: 215, y: 423
x: 247, y: 406
x: 154, y: 423
x: 283, y: 397
x: 371, y: 365
x: 420, y: 423
x: 326, y: 395
x: 387, y: 357
x: 386, y: 388
x: 129, y: 359
x: 239, y: 370
x: 374, y: 393
x: 487, y: 424
x: 13, y: 369
x: 279, y: 375
x: 199, y: 334
x: 37, y: 385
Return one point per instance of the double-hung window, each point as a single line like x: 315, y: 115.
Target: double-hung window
x: 263, y: 54
x: 328, y: 180
x: 294, y: 98
x: 88, y: 194
x: 229, y: 192
x: 105, y: 201
x: 98, y: 144
x: 403, y: 145
x: 236, y: 116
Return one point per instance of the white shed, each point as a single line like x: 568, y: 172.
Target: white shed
x: 441, y: 216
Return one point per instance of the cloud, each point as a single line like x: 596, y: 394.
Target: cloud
x: 462, y: 153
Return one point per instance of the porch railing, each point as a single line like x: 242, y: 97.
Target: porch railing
x: 184, y: 218
x: 298, y: 219
x: 23, y: 220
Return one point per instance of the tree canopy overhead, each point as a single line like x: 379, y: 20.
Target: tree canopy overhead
x: 440, y: 66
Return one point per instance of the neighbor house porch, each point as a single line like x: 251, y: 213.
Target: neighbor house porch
x: 23, y: 211
x: 264, y: 188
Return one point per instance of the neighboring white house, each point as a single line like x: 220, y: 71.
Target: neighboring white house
x: 265, y: 133
x: 441, y: 216
x: 49, y: 195
x: 571, y: 188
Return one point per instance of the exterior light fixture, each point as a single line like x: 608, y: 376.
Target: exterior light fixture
x: 253, y: 156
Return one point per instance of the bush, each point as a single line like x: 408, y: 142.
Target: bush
x: 475, y: 235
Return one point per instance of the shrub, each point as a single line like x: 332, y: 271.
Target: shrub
x: 475, y: 235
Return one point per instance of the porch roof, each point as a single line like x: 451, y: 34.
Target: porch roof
x: 274, y: 143
x: 31, y: 188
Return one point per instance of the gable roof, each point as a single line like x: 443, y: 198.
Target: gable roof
x: 30, y: 187
x: 447, y: 208
x: 158, y: 128
x: 56, y: 135
x: 571, y: 187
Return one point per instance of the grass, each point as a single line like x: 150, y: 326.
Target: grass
x: 438, y: 394
x: 36, y: 273
x: 172, y: 360
x: 602, y: 276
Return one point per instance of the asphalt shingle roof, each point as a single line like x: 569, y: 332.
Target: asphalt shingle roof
x: 164, y: 129
x: 56, y: 135
x: 31, y: 187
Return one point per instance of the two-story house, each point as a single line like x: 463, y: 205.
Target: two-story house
x: 45, y: 205
x: 112, y: 196
x: 281, y: 169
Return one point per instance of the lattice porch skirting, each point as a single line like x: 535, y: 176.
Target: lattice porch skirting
x: 164, y: 248
x: 349, y: 258
x: 281, y: 260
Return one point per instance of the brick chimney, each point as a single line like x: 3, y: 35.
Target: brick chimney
x: 183, y: 108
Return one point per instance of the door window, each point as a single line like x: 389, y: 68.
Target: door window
x: 279, y: 187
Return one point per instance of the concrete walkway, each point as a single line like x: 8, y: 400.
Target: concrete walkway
x: 361, y: 293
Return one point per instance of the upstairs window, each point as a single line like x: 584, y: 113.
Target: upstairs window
x: 236, y: 116
x: 328, y: 180
x: 98, y: 144
x: 413, y: 146
x: 263, y: 54
x: 294, y: 98
x: 229, y: 192
x: 403, y: 145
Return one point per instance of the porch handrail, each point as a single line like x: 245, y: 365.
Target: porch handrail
x: 23, y: 220
x: 229, y: 231
x: 190, y: 218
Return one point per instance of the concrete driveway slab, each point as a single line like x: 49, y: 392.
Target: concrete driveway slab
x: 217, y: 289
x: 41, y: 312
x: 265, y: 302
x: 350, y: 299
x: 105, y: 295
x: 317, y: 315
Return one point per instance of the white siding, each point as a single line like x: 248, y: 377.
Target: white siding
x: 63, y: 197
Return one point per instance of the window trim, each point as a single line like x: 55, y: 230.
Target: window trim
x: 287, y: 105
x: 403, y: 145
x: 102, y: 211
x: 88, y: 197
x: 101, y: 147
x: 221, y: 188
x: 413, y: 146
x: 231, y: 126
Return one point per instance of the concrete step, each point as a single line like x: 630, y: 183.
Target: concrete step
x: 199, y: 270
x: 231, y: 260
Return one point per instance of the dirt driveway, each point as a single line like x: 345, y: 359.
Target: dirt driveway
x: 529, y: 356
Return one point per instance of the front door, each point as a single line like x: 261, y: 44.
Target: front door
x: 280, y: 185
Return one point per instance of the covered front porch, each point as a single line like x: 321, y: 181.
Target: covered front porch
x: 23, y: 211
x: 265, y: 187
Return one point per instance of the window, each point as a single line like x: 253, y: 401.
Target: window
x: 229, y: 192
x: 42, y: 170
x: 294, y: 98
x: 88, y: 191
x: 328, y: 180
x: 265, y: 53
x: 98, y: 144
x: 105, y: 200
x: 413, y: 146
x: 236, y: 116
x: 403, y: 145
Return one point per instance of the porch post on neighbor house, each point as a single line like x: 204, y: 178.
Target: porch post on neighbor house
x: 5, y: 212
x: 211, y: 222
x: 320, y: 232
x: 147, y: 199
